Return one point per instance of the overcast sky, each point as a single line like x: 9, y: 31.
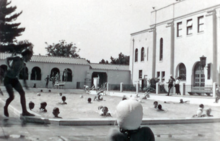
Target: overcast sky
x: 100, y: 28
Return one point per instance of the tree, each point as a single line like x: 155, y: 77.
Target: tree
x: 122, y: 59
x: 63, y: 49
x: 9, y: 30
x: 103, y: 61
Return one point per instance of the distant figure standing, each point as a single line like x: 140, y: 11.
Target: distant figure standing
x: 177, y: 86
x: 15, y: 65
x: 47, y: 80
x: 65, y: 74
x: 170, y: 84
x: 217, y: 95
x: 162, y: 89
x: 86, y: 88
x: 53, y: 79
x: 57, y: 77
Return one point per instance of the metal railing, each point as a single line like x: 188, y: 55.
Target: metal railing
x: 129, y: 87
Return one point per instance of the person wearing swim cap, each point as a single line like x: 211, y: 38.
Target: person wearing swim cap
x: 129, y: 114
x: 15, y: 65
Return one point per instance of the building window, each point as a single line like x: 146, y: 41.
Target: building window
x: 201, y: 24
x: 179, y: 29
x: 163, y: 75
x: 161, y: 49
x: 189, y: 27
x: 182, y: 71
x: 140, y: 74
x: 158, y: 74
x: 142, y: 54
x: 136, y: 55
x: 209, y: 71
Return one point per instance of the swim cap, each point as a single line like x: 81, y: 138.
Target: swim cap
x: 129, y: 114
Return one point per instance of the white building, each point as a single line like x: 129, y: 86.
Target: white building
x: 179, y: 35
x: 78, y: 71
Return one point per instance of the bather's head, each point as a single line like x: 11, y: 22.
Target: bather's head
x: 181, y: 100
x: 89, y: 100
x: 63, y: 98
x: 160, y: 107
x: 105, y: 110
x: 56, y: 112
x: 201, y: 106
x: 129, y: 114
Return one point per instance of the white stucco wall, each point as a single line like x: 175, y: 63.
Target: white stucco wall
x: 114, y: 76
x: 142, y: 40
x: 78, y: 73
x: 188, y: 48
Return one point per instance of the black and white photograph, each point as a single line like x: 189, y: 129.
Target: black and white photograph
x: 100, y: 70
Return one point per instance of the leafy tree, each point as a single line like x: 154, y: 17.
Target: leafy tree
x: 9, y: 30
x: 103, y: 61
x: 122, y: 59
x: 62, y: 49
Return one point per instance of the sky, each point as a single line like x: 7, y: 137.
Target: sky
x: 99, y: 28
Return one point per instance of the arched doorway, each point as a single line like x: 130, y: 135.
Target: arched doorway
x: 181, y: 71
x: 36, y: 73
x: 55, y: 72
x: 102, y: 78
x: 199, y: 76
x: 67, y: 75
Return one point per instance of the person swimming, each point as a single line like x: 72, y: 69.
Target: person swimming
x: 103, y: 111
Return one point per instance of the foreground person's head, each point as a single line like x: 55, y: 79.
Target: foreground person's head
x: 27, y: 54
x: 129, y: 114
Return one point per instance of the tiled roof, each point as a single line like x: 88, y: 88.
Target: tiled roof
x: 109, y: 67
x: 51, y: 59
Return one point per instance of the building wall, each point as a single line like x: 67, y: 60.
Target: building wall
x: 80, y: 73
x: 187, y: 49
x: 113, y: 76
x: 180, y: 9
x: 164, y: 64
x: 142, y: 40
